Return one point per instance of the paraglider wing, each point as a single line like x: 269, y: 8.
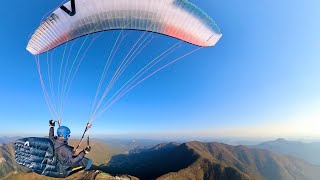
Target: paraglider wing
x: 176, y: 18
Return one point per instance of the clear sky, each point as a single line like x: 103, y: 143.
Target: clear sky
x: 260, y: 80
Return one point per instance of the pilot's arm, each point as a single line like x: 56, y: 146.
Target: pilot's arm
x: 51, y: 131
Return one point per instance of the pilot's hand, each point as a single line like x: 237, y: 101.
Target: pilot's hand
x: 87, y: 149
x: 52, y: 123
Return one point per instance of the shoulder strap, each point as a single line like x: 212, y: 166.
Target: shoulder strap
x: 59, y: 147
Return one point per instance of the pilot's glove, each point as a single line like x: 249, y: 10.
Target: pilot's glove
x: 52, y: 123
x: 87, y: 149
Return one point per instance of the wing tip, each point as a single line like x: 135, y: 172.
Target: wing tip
x: 31, y: 50
x: 213, y: 40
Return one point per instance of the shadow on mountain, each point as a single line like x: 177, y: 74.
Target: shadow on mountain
x: 151, y: 163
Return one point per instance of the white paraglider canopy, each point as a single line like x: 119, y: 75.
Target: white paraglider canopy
x: 176, y: 18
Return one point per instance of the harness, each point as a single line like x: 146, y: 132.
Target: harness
x: 60, y: 166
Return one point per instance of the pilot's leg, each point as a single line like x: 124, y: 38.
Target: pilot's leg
x: 86, y: 163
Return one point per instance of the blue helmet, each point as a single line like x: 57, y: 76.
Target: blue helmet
x: 64, y: 132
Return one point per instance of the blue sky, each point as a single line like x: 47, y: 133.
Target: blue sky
x: 260, y: 80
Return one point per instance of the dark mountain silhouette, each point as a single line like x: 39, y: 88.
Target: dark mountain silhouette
x: 197, y: 160
x: 162, y: 146
x: 307, y: 151
x: 151, y: 163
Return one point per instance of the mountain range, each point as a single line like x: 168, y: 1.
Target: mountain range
x: 196, y: 160
x: 191, y: 160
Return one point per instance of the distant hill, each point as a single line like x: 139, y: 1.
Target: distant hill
x: 128, y: 145
x: 101, y: 152
x: 197, y: 160
x: 307, y: 151
x: 8, y: 139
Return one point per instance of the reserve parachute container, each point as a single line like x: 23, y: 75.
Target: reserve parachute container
x: 38, y: 155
